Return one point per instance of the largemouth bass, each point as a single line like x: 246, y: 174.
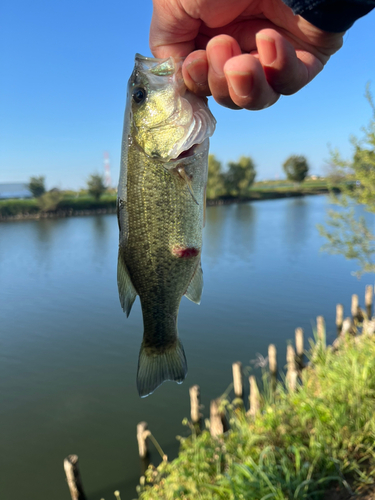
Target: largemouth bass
x: 161, y: 205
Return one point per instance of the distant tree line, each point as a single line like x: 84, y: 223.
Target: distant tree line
x: 49, y: 200
x: 234, y: 182
x: 237, y: 180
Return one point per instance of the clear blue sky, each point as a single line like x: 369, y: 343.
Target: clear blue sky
x: 64, y: 69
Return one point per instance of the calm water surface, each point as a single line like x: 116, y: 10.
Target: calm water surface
x: 68, y: 355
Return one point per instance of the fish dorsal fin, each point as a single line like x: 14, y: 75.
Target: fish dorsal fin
x: 126, y: 290
x: 194, y: 290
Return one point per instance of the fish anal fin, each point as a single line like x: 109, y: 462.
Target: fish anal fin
x: 126, y: 290
x: 155, y: 368
x: 194, y: 290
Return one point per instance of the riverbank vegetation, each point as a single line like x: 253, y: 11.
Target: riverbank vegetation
x: 66, y: 205
x: 314, y: 442
x: 237, y: 180
x: 347, y: 232
x: 62, y: 203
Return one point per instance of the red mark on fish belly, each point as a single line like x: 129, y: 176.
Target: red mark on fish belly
x: 185, y: 252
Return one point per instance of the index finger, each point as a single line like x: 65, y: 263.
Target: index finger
x: 172, y: 31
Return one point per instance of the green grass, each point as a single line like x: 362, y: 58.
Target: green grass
x: 298, y: 447
x: 308, y: 183
x: 269, y: 190
x: 11, y: 208
x: 309, y: 186
x: 87, y: 203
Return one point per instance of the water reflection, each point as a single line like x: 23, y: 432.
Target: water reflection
x: 230, y: 229
x: 242, y: 232
x: 213, y: 235
x: 100, y: 227
x: 296, y: 224
x: 100, y: 232
x: 44, y: 229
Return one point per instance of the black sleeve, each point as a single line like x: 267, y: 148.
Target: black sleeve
x: 331, y: 15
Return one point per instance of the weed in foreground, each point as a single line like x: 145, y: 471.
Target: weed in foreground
x: 300, y: 445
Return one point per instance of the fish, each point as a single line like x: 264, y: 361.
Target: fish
x: 161, y: 210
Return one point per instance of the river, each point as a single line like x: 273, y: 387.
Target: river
x: 68, y: 354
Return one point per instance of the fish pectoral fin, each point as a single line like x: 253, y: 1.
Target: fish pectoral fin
x: 194, y: 290
x: 126, y: 290
x: 154, y: 368
x: 184, y: 176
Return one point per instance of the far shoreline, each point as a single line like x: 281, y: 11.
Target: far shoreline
x: 259, y: 195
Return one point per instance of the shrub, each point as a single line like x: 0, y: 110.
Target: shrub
x: 18, y: 207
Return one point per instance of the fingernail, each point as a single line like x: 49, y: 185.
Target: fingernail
x: 218, y: 53
x: 198, y: 71
x: 266, y: 48
x: 241, y: 83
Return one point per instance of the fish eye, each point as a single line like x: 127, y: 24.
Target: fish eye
x: 139, y: 95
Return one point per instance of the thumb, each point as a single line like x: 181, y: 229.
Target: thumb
x: 172, y: 31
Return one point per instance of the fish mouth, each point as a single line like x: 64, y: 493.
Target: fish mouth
x: 188, y: 152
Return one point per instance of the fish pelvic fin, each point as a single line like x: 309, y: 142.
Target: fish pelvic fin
x: 194, y: 290
x: 155, y: 368
x: 126, y: 290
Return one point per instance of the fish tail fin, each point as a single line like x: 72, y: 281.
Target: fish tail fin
x: 155, y: 368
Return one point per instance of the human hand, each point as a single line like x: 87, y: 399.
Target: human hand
x: 246, y: 53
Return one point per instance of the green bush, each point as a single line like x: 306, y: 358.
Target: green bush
x: 52, y: 202
x: 18, y: 207
x: 87, y: 203
x: 49, y: 201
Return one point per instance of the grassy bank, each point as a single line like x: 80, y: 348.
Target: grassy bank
x: 268, y: 190
x: 271, y: 190
x: 68, y: 205
x: 316, y: 442
x: 73, y: 204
